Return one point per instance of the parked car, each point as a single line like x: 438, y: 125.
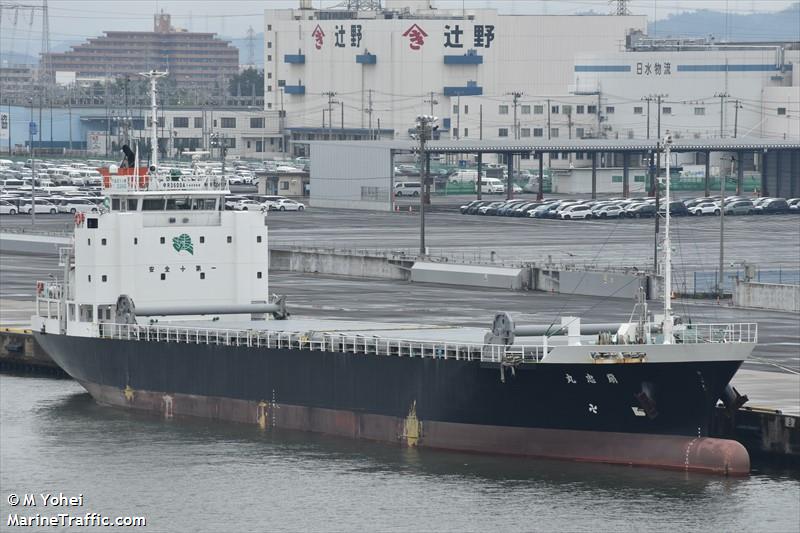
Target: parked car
x: 774, y: 206
x: 504, y: 209
x: 524, y: 209
x: 491, y: 205
x: 794, y: 204
x: 544, y: 211
x: 740, y: 207
x: 643, y: 210
x: 75, y: 205
x: 607, y: 211
x: 286, y: 204
x: 248, y: 205
x: 7, y: 208
x: 576, y: 211
x: 42, y: 206
x: 473, y: 209
x: 465, y: 207
x: 676, y: 209
x: 705, y: 208
x: 407, y: 188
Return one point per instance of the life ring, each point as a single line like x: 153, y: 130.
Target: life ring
x: 39, y: 287
x: 79, y: 218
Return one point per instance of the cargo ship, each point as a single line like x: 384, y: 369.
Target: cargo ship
x: 164, y: 306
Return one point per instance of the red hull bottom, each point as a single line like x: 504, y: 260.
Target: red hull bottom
x: 691, y: 454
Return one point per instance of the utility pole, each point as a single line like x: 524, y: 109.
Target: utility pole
x: 721, y: 279
x: 516, y: 95
x: 369, y: 112
x: 648, y: 99
x: 458, y: 117
x: 722, y: 96
x: 330, y: 95
x: 426, y: 126
x: 667, y: 327
x: 548, y: 119
x: 736, y: 109
x: 480, y: 123
x: 432, y: 101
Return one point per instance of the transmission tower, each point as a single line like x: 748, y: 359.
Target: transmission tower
x: 251, y: 46
x: 619, y: 7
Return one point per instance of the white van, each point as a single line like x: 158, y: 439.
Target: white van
x: 407, y: 188
x: 492, y: 186
x: 464, y: 176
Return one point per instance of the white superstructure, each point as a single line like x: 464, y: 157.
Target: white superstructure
x: 164, y: 243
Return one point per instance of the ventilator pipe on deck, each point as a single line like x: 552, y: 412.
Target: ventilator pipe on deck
x: 127, y: 311
x: 504, y: 330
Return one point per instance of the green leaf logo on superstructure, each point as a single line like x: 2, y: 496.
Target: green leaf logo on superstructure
x: 183, y: 242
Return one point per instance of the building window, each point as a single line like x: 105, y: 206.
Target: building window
x: 103, y: 242
x: 503, y: 110
x: 90, y: 278
x: 269, y: 57
x: 638, y: 110
x: 135, y: 241
x: 579, y: 156
x: 455, y: 133
x: 579, y: 109
x: 228, y: 122
x: 103, y: 278
x: 269, y: 27
x: 230, y: 239
x: 466, y: 110
x: 526, y: 155
x: 591, y: 109
x: 198, y: 122
x: 525, y: 132
x: 202, y: 275
x: 554, y: 155
x: 526, y: 109
x: 269, y: 75
x: 699, y: 111
x: 610, y: 110
x: 502, y: 132
x: 579, y: 132
x: 269, y: 44
x: 781, y: 111
x: 285, y: 185
x: 666, y: 110
x: 256, y: 122
x: 553, y: 132
x: 554, y: 109
x: 162, y: 240
x: 180, y: 122
x: 538, y: 109
x: 163, y: 276
x: 455, y: 109
x: 466, y: 132
x: 258, y: 275
x: 538, y: 132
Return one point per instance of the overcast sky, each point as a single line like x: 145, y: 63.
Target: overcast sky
x: 73, y: 20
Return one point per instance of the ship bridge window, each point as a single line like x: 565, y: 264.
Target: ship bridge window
x: 115, y: 204
x: 153, y: 204
x: 178, y: 204
x: 132, y: 204
x: 204, y: 204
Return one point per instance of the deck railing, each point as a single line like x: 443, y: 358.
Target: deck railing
x: 372, y: 345
x: 327, y: 342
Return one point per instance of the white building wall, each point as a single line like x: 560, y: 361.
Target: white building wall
x: 690, y: 82
x: 352, y: 175
x: 529, y: 54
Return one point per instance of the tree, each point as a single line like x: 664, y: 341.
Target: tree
x: 247, y: 79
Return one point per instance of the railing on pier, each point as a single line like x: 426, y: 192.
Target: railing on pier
x: 326, y: 342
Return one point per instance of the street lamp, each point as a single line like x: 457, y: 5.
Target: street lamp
x: 426, y: 126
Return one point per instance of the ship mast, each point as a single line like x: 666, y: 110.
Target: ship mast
x: 153, y: 75
x: 667, y: 328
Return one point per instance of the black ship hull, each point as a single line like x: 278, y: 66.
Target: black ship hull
x: 634, y: 413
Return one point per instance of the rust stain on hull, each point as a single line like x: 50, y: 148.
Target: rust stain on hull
x: 691, y: 454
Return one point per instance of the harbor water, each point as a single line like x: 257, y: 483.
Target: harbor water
x: 199, y: 475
